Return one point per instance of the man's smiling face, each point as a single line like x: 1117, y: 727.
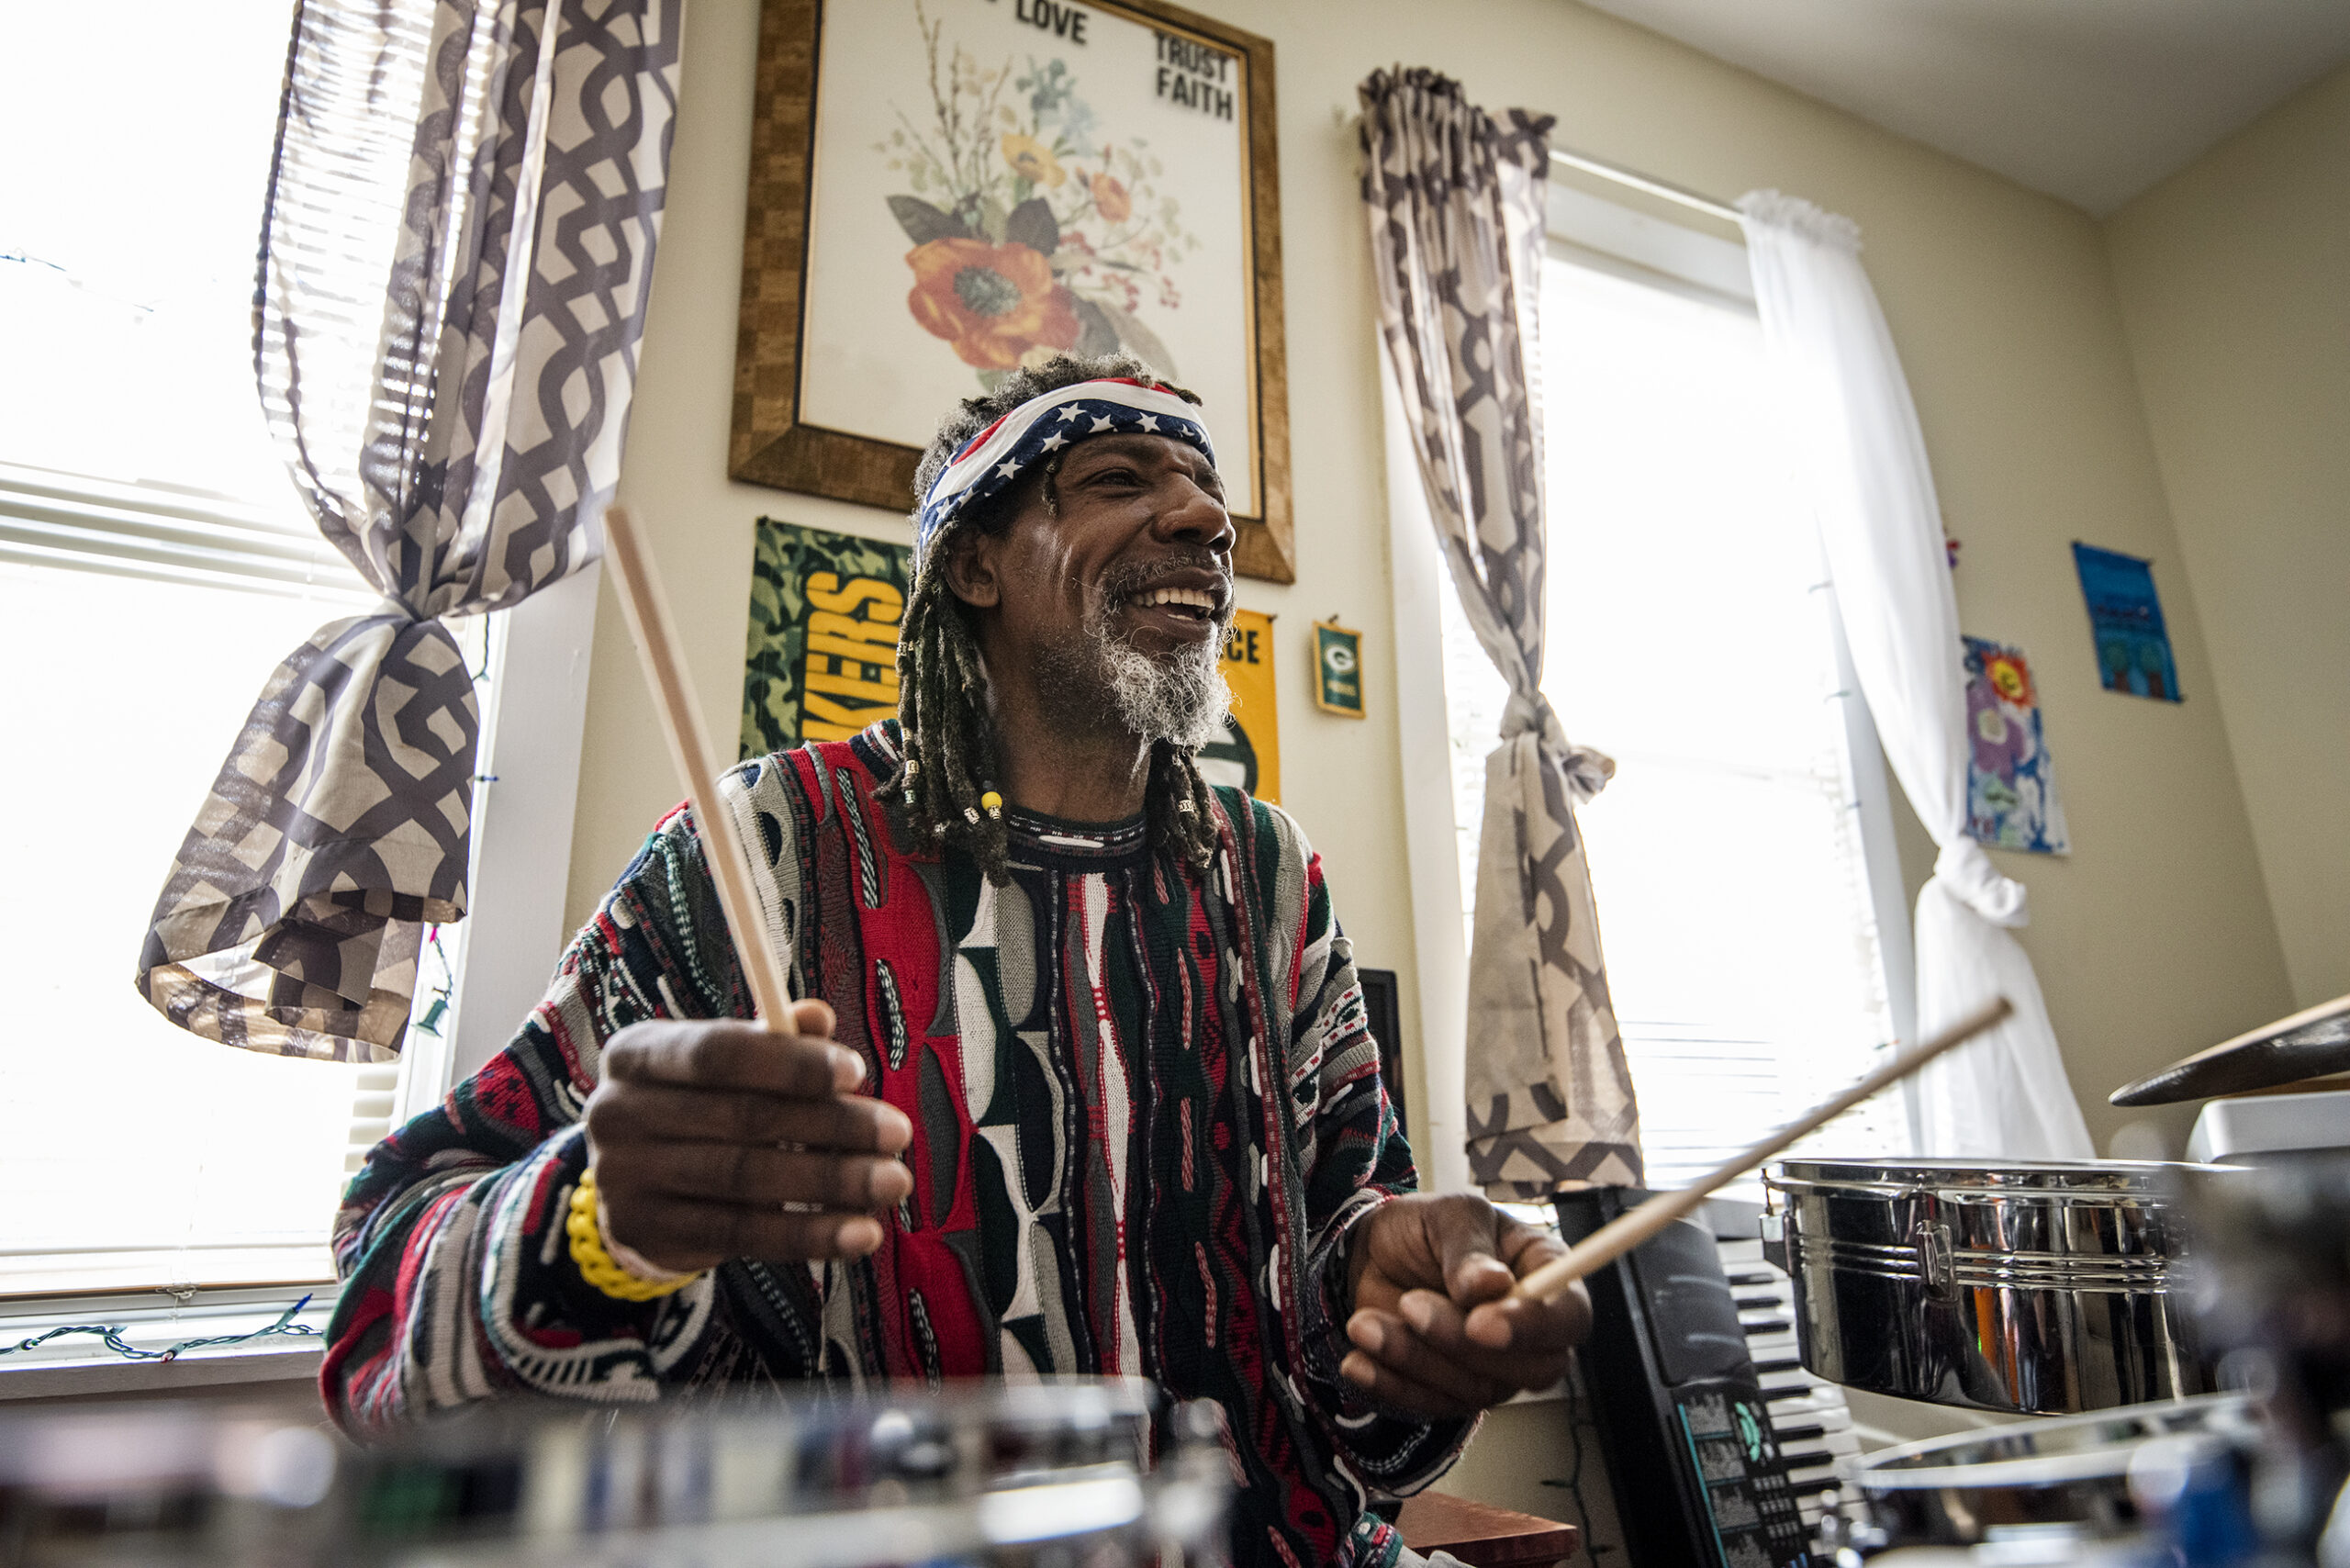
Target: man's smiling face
x: 1127, y: 571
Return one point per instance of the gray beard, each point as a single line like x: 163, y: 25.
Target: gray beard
x: 1181, y: 700
x: 1100, y: 680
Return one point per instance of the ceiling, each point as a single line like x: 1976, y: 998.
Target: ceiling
x: 2091, y: 101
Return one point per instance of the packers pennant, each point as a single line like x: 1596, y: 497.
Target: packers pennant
x: 1337, y: 670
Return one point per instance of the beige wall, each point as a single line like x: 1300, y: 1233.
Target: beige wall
x: 2153, y: 939
x: 2235, y: 283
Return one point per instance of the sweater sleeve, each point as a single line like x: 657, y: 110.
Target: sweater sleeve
x: 1355, y: 1159
x: 457, y: 1274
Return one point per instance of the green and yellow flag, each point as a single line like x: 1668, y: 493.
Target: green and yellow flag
x: 822, y: 660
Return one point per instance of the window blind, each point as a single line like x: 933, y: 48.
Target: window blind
x: 374, y: 1111
x: 165, y: 533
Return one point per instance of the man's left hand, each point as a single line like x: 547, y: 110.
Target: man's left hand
x: 1434, y: 1329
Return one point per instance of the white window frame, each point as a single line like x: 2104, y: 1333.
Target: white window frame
x: 533, y: 729
x: 1663, y: 253
x: 534, y: 707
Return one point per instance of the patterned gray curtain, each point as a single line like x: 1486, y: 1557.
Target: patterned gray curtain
x: 454, y: 265
x: 1456, y: 204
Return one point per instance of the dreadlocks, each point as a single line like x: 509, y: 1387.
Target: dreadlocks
x: 949, y: 749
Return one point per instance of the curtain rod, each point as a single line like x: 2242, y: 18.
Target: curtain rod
x: 1639, y: 182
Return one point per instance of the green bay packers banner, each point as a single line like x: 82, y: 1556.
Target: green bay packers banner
x: 1248, y: 753
x: 823, y: 661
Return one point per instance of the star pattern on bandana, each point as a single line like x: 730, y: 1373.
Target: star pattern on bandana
x: 992, y: 460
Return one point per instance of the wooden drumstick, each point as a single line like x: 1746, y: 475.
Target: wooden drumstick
x: 1627, y: 1230
x: 673, y: 695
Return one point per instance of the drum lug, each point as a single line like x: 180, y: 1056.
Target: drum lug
x: 1935, y: 1260
x: 1774, y: 1241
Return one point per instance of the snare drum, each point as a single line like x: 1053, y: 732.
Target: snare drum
x: 1093, y: 1474
x: 2035, y: 1289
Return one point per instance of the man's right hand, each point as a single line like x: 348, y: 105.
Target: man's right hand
x: 720, y: 1139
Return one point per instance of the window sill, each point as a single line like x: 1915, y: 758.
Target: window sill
x: 79, y: 1366
x: 197, y: 1369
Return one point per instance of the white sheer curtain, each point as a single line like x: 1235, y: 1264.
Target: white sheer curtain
x: 2006, y: 1095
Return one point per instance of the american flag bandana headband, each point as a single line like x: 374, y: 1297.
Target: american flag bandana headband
x: 992, y: 460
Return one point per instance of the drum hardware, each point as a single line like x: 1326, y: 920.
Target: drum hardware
x: 2271, y: 1292
x: 2111, y: 1296
x: 1002, y: 1476
x: 2053, y: 1489
x: 2250, y: 1129
x: 2212, y: 1482
x: 1935, y: 1263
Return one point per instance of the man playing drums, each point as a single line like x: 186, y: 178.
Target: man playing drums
x: 1082, y: 1082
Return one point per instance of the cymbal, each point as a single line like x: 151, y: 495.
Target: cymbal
x: 2310, y: 1044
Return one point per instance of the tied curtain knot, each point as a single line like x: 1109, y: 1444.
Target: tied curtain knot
x: 1587, y: 769
x: 1968, y: 873
x: 1454, y: 198
x: 457, y: 247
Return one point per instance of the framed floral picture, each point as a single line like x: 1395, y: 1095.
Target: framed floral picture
x: 944, y: 190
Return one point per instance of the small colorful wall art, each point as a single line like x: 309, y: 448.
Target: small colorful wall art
x: 2132, y: 647
x: 2011, y: 800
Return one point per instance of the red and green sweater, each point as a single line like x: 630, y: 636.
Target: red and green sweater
x: 1146, y: 1109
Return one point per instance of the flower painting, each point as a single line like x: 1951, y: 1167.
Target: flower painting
x: 945, y: 191
x: 997, y: 305
x: 1034, y: 229
x: 2010, y: 785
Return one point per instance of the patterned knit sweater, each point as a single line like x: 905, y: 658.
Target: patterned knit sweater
x: 1146, y: 1111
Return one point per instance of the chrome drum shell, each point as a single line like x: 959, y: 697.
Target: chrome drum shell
x: 2033, y: 1289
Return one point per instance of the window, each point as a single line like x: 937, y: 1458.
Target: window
x: 139, y: 495
x: 1691, y: 636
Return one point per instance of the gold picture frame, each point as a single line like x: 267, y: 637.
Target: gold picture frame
x: 777, y: 441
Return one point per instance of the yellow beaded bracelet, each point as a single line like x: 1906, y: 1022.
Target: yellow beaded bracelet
x: 596, y: 1265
